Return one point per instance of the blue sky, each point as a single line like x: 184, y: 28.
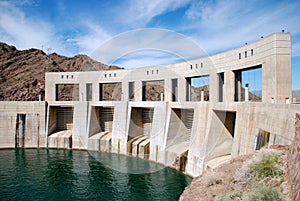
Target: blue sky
x: 71, y: 27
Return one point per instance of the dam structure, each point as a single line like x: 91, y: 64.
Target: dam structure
x: 189, y: 116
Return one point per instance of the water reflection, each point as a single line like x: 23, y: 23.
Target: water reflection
x: 126, y: 164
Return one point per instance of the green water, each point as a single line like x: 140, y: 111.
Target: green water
x: 42, y: 174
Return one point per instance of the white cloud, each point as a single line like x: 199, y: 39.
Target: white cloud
x: 140, y: 12
x: 211, y: 16
x: 24, y: 32
x: 94, y: 37
x: 143, y: 58
x: 215, y: 25
x: 147, y: 39
x: 222, y: 25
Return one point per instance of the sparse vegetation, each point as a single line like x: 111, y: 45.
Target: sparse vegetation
x: 267, y: 167
x: 232, y: 196
x: 258, y: 180
x: 262, y: 192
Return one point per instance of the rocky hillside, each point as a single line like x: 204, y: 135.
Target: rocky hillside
x: 259, y: 176
x: 22, y: 73
x: 269, y: 175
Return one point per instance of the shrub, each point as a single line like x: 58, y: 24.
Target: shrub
x: 268, y: 166
x: 232, y: 196
x: 262, y: 193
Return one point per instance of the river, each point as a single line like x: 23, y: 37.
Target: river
x: 50, y: 174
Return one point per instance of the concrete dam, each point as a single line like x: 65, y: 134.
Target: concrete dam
x: 189, y: 116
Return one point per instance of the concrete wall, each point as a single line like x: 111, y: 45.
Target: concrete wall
x: 219, y: 141
x: 119, y: 140
x: 273, y: 53
x: 220, y: 128
x: 34, y: 125
x: 209, y: 139
x: 278, y: 119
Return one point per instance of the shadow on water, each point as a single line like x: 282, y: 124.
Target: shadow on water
x: 100, y: 180
x: 59, y: 174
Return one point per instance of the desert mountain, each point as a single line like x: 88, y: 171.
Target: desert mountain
x: 22, y: 73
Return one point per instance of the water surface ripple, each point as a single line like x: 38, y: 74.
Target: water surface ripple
x: 48, y: 174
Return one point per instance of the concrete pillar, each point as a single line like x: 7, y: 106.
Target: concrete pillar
x: 125, y: 91
x: 158, y: 129
x: 95, y: 91
x: 82, y: 92
x: 229, y: 86
x: 182, y: 89
x: 247, y: 92
x: 239, y: 88
x: 220, y: 87
x: 161, y: 96
x: 188, y: 95
x: 213, y: 87
x: 174, y: 90
x: 168, y: 90
x: 119, y: 135
x: 276, y: 83
x: 138, y: 91
x: 42, y: 123
x: 80, y: 136
x: 50, y: 88
x: 202, y: 95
